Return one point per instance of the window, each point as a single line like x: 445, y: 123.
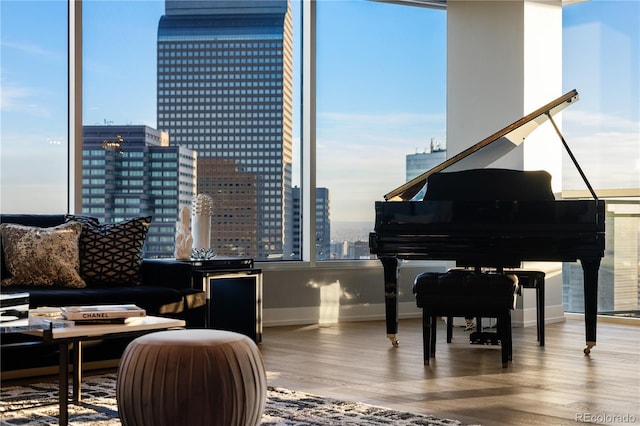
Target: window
x: 126, y: 72
x: 381, y: 95
x: 34, y: 131
x: 600, y: 48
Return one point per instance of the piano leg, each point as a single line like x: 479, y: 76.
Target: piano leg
x: 590, y: 269
x: 390, y: 266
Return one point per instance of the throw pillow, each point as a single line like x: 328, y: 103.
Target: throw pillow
x: 42, y: 256
x: 111, y: 253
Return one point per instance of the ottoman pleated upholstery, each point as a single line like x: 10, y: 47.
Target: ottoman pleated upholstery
x: 191, y: 377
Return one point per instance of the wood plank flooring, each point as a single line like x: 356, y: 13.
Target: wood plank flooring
x: 551, y: 385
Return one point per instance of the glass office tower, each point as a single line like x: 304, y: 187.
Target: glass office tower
x: 420, y: 162
x: 224, y: 89
x: 323, y: 224
x: 132, y: 170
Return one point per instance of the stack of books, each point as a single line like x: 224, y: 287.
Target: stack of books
x: 102, y: 314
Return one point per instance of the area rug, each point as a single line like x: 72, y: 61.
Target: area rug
x: 37, y: 405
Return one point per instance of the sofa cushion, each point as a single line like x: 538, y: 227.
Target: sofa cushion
x: 111, y: 253
x: 41, y: 220
x: 42, y: 256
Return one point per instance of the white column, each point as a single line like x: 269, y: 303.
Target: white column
x: 504, y: 61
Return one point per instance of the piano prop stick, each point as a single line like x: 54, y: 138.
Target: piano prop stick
x: 455, y: 211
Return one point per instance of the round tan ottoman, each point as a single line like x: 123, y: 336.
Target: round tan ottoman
x: 191, y: 377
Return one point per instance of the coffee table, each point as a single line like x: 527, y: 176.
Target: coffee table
x: 68, y: 335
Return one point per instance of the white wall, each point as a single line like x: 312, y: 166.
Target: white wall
x: 295, y: 293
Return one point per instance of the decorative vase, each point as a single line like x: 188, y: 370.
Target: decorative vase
x: 201, y: 211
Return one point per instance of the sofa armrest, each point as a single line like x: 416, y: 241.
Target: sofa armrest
x: 167, y: 273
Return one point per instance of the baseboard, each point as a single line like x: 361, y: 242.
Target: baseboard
x: 529, y: 317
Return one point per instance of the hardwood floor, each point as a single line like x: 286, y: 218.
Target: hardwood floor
x: 551, y: 385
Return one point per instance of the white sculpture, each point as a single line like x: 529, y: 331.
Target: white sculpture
x: 184, y: 239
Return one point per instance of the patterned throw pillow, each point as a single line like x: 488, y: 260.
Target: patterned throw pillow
x: 42, y: 256
x: 111, y: 253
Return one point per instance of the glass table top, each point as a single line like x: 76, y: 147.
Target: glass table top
x: 39, y: 319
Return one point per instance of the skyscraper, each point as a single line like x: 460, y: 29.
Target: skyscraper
x: 132, y: 170
x: 323, y: 224
x: 224, y: 89
x: 418, y: 163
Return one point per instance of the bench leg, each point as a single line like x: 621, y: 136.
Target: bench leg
x: 434, y: 325
x: 426, y: 336
x: 504, y: 334
x: 540, y: 302
x: 510, y: 336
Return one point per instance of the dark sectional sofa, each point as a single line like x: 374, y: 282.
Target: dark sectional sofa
x: 164, y: 289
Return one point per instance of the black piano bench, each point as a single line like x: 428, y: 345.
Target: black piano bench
x: 466, y: 293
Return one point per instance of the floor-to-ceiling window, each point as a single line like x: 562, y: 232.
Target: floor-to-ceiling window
x: 601, y: 59
x: 216, y: 80
x: 381, y: 97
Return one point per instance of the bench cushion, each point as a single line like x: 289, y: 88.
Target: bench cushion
x: 464, y: 290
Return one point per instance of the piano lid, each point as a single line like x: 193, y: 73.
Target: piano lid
x: 489, y: 149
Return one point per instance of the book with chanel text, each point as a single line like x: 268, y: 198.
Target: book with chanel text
x: 101, y: 312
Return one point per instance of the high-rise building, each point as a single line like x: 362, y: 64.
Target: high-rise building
x: 234, y: 219
x: 225, y: 90
x: 323, y: 224
x: 418, y: 163
x: 132, y: 170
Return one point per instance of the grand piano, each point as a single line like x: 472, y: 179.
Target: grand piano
x: 489, y: 229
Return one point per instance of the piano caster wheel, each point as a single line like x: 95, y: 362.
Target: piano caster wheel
x: 587, y: 350
x: 394, y: 340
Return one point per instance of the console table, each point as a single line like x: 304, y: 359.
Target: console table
x: 233, y: 290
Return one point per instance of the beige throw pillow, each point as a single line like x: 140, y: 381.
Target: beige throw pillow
x: 42, y: 256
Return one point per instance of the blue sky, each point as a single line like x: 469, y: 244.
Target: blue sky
x: 372, y: 103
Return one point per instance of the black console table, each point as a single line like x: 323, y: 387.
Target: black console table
x: 233, y: 288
